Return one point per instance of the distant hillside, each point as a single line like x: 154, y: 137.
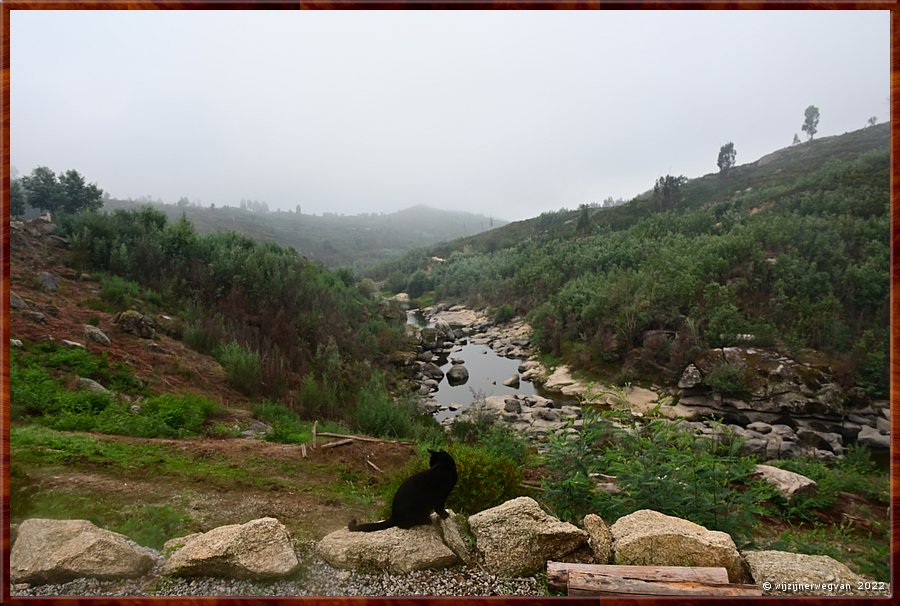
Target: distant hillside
x: 335, y: 240
x: 791, y: 251
x: 781, y: 168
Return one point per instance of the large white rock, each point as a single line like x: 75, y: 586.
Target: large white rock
x: 518, y: 537
x: 259, y: 549
x: 394, y: 550
x: 650, y: 538
x: 785, y: 573
x: 57, y: 551
x: 788, y: 483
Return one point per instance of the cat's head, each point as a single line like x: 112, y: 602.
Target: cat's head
x: 437, y: 456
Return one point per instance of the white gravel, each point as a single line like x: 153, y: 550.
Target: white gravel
x: 315, y: 578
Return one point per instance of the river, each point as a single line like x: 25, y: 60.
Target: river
x: 487, y: 372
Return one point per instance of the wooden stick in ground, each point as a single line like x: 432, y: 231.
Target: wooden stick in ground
x: 303, y: 450
x: 337, y: 443
x: 558, y: 573
x: 374, y: 466
x: 315, y: 425
x: 583, y: 583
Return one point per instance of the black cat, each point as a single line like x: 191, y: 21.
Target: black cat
x: 419, y: 495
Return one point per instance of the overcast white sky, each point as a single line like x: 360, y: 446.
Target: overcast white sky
x: 504, y: 113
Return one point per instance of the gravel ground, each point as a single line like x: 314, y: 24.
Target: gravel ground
x: 316, y: 578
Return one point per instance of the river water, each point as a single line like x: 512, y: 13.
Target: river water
x: 487, y: 371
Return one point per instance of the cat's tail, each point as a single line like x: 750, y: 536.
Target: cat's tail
x: 354, y: 527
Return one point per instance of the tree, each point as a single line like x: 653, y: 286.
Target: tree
x: 811, y: 122
x: 872, y: 120
x: 67, y: 193
x: 42, y: 189
x: 727, y: 155
x: 78, y: 196
x: 796, y: 139
x: 668, y: 191
x: 583, y: 227
x: 16, y: 198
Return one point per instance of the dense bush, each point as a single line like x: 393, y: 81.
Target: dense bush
x: 485, y: 479
x: 271, y: 308
x: 658, y: 465
x: 242, y: 367
x: 378, y: 414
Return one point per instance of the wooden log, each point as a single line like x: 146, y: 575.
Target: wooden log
x: 314, y: 435
x: 361, y: 438
x: 337, y: 443
x: 558, y: 573
x: 582, y: 583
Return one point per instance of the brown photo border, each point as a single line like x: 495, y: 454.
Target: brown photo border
x: 8, y: 5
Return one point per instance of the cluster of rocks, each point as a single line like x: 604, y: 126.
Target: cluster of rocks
x: 518, y: 538
x: 785, y: 407
x: 57, y: 551
x: 532, y: 415
x: 512, y: 541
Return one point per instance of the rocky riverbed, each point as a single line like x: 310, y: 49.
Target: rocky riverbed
x: 789, y: 407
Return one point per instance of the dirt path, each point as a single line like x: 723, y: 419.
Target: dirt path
x: 312, y: 496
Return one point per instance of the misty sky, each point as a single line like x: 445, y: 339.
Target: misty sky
x: 499, y: 112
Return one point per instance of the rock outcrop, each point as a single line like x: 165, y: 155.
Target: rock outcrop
x: 136, y: 323
x: 650, y: 538
x: 259, y: 549
x: 57, y: 551
x: 518, y: 537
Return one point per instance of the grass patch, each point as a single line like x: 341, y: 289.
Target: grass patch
x: 150, y: 525
x: 38, y: 393
x: 37, y: 446
x: 287, y: 427
x: 59, y: 360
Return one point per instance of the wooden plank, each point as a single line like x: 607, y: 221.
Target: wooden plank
x: 557, y: 573
x: 582, y: 583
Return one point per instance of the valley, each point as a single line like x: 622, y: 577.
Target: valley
x: 756, y: 303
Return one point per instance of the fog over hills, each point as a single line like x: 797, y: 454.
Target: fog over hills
x: 335, y: 240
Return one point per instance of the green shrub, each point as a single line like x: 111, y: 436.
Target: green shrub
x: 287, y: 427
x: 119, y: 292
x: 480, y: 427
x: 378, y: 414
x: 485, y: 479
x: 200, y: 340
x: 727, y: 380
x: 504, y: 313
x: 242, y: 367
x: 182, y: 414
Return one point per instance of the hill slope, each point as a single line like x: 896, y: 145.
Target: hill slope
x: 792, y: 249
x: 335, y: 240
